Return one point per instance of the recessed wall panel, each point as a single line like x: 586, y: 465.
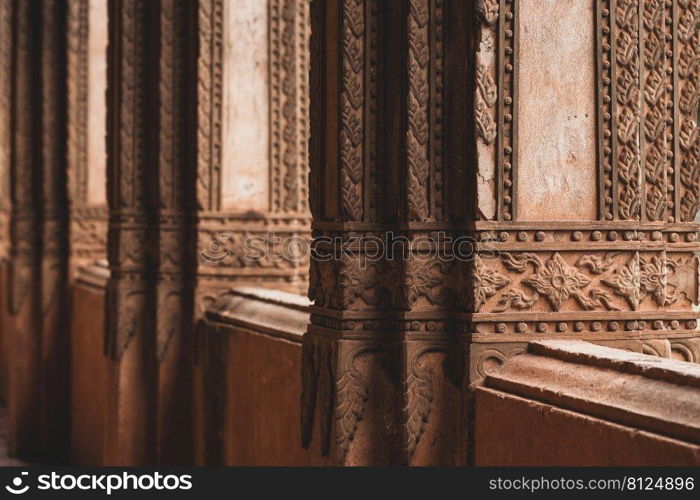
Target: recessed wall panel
x: 556, y: 139
x: 245, y: 156
x: 97, y: 103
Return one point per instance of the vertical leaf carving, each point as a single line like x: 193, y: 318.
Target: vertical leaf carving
x: 628, y: 87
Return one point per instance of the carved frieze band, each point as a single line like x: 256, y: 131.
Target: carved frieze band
x: 585, y: 279
x: 533, y: 274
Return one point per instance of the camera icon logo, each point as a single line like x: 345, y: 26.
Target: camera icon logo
x: 16, y: 488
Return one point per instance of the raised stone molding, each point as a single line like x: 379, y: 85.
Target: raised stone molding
x: 609, y: 408
x: 658, y: 396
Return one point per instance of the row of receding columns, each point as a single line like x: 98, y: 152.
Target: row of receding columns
x: 164, y: 138
x: 151, y: 139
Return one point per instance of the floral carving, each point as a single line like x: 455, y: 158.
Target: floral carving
x: 352, y: 394
x: 418, y: 397
x: 485, y: 283
x: 654, y: 280
x: 352, y: 101
x: 597, y: 264
x: 688, y: 88
x: 488, y: 11
x: 638, y: 278
x: 558, y: 281
x: 626, y: 282
x: 516, y: 299
x: 418, y: 133
x: 430, y: 280
x: 628, y: 109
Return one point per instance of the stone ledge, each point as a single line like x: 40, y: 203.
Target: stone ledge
x: 273, y: 312
x: 637, y: 390
x: 94, y: 275
x: 577, y: 351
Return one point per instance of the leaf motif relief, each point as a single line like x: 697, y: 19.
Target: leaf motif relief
x: 351, y: 395
x: 690, y: 94
x: 485, y: 124
x: 689, y: 58
x: 626, y: 282
x: 519, y: 262
x: 418, y: 396
x: 654, y: 280
x: 516, y: 299
x: 688, y: 135
x: 485, y: 283
x: 488, y: 11
x: 431, y: 282
x: 599, y: 296
x: 596, y: 264
x: 558, y: 281
x: 488, y: 91
x: 638, y: 278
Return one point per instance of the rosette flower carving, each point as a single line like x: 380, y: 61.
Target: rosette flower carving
x: 558, y: 281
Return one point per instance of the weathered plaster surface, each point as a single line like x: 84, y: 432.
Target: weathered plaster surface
x: 556, y: 110
x: 244, y: 183
x: 97, y: 103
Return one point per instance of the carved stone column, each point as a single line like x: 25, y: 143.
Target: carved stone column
x: 132, y: 129
x: 25, y: 232
x: 152, y: 178
x: 382, y: 353
x: 573, y: 203
x: 47, y: 135
x: 176, y: 229
x: 54, y: 344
